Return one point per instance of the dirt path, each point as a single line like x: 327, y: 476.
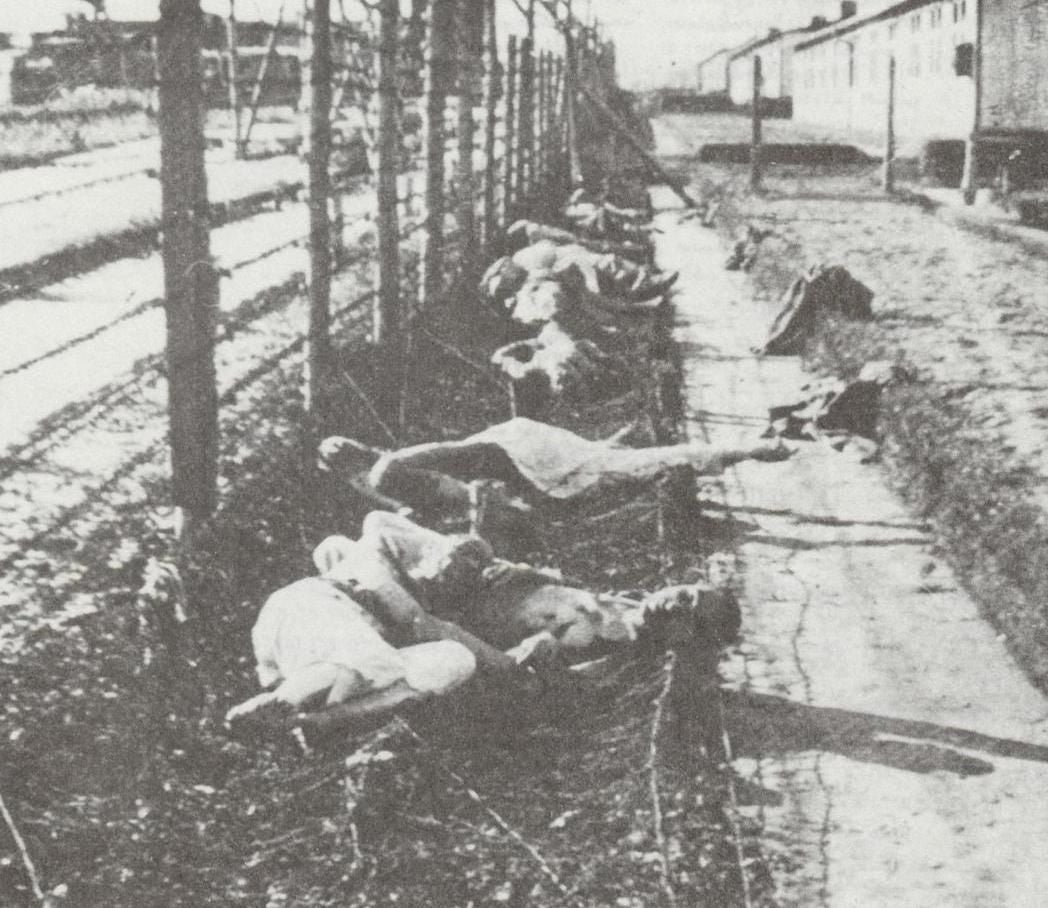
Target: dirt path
x: 890, y: 749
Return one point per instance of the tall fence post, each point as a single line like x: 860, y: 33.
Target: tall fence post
x: 525, y: 139
x: 509, y: 134
x: 888, y: 176
x: 465, y: 175
x: 491, y: 88
x: 557, y: 124
x: 305, y: 100
x: 439, y: 70
x: 755, y: 146
x: 970, y: 174
x: 319, y: 356
x: 388, y: 327
x: 538, y: 174
x: 233, y: 63
x: 571, y: 112
x: 190, y: 281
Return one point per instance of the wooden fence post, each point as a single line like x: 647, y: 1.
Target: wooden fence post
x: 526, y: 121
x: 491, y: 88
x: 888, y: 176
x: 389, y: 328
x: 571, y: 113
x: 537, y: 175
x: 305, y: 100
x: 233, y: 63
x: 465, y: 175
x: 190, y: 279
x: 547, y: 108
x: 755, y: 146
x: 319, y: 222
x: 439, y: 71
x: 509, y: 131
x: 557, y: 123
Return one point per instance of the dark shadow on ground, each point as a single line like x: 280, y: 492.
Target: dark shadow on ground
x: 817, y: 519
x: 762, y: 724
x: 807, y: 545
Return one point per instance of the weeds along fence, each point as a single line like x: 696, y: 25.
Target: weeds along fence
x: 494, y: 143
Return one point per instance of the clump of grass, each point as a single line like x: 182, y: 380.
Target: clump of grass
x: 986, y: 507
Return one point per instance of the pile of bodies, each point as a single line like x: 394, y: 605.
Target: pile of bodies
x: 432, y: 593
x: 561, y: 289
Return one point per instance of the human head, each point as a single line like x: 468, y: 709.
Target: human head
x: 340, y: 454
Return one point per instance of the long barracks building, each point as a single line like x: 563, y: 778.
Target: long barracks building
x: 841, y: 74
x: 965, y: 70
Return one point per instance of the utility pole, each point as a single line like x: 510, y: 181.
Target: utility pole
x: 970, y: 177
x: 190, y: 278
x: 888, y: 179
x: 755, y: 146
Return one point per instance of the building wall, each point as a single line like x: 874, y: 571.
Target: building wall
x: 776, y: 69
x: 713, y: 74
x: 841, y: 84
x: 1015, y: 64
x: 740, y: 73
x: 7, y: 59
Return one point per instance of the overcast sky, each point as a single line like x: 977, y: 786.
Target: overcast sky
x: 659, y: 41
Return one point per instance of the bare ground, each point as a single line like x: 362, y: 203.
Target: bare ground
x: 966, y: 310
x: 900, y: 749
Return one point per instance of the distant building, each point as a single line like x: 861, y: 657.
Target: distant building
x: 7, y: 62
x: 775, y: 51
x: 840, y: 74
x: 713, y: 73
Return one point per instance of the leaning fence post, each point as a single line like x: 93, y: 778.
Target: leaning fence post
x: 755, y: 145
x: 509, y: 133
x: 260, y: 79
x: 491, y: 87
x: 439, y: 70
x: 888, y: 178
x: 190, y: 281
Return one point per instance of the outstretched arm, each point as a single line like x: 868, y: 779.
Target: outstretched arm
x: 720, y: 460
x: 399, y: 608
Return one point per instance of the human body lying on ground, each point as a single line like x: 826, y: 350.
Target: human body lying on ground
x: 534, y: 460
x: 596, y: 216
x: 606, y: 277
x: 405, y: 612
